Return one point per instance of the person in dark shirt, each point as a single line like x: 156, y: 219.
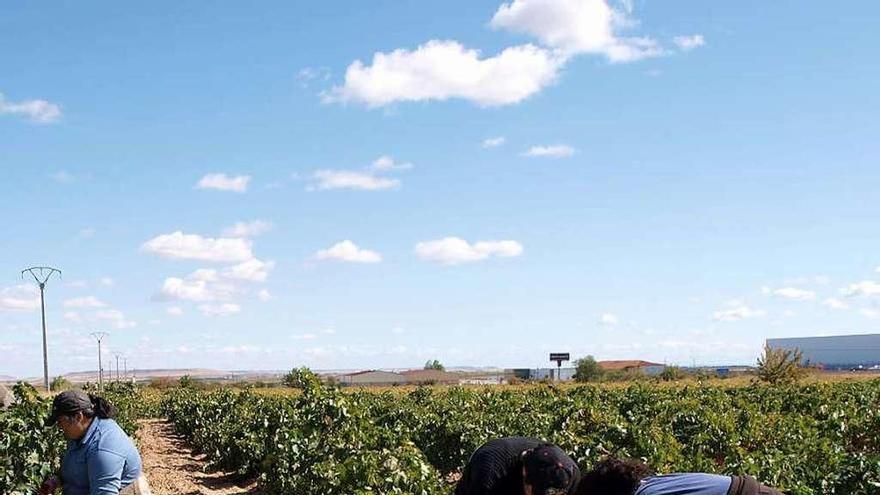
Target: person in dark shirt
x: 518, y: 465
x: 630, y: 477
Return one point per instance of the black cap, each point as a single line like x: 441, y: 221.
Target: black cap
x: 550, y: 470
x: 68, y: 402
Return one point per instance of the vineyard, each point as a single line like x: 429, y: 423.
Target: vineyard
x: 807, y: 440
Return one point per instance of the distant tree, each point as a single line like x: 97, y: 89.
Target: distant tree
x: 671, y: 374
x: 434, y: 365
x: 59, y: 384
x: 301, y: 378
x: 587, y: 370
x: 187, y: 381
x: 780, y: 365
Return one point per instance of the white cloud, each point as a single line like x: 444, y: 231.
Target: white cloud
x: 62, y: 177
x: 863, y: 288
x: 225, y: 309
x: 688, y: 43
x: 834, y: 303
x: 19, y: 298
x: 552, y: 151
x: 178, y: 245
x: 795, y: 294
x: 38, y: 111
x: 73, y: 317
x: 107, y: 282
x: 264, y: 295
x: 870, y: 313
x: 252, y: 270
x: 84, y: 302
x: 190, y: 289
x: 174, y: 311
x: 305, y: 336
x: 576, y: 27
x: 386, y: 163
x: 308, y: 74
x: 493, y: 142
x: 454, y: 251
x: 444, y: 69
x: 348, y: 251
x: 115, y: 318
x: 349, y: 179
x: 223, y: 182
x: 248, y: 229
x: 609, y: 319
x: 737, y: 313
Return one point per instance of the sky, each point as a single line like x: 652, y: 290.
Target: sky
x: 350, y: 185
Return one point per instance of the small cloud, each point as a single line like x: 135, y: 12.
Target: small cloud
x: 454, y: 251
x: 223, y: 182
x: 84, y: 302
x: 253, y: 228
x: 107, y: 282
x: 349, y: 252
x: 305, y: 336
x: 863, y: 288
x: 328, y: 331
x: 174, y: 311
x: 398, y: 331
x: 308, y: 74
x: 552, y: 151
x: 86, y: 233
x: 115, y: 318
x: 264, y: 295
x: 349, y: 179
x: 73, y: 317
x: 688, y: 43
x: 225, y: 309
x: 608, y: 320
x: 493, y: 142
x: 62, y: 177
x: 36, y: 111
x: 834, y: 303
x: 795, y: 294
x: 737, y: 313
x: 870, y: 313
x: 386, y: 164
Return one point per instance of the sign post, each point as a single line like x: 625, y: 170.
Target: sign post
x: 559, y: 357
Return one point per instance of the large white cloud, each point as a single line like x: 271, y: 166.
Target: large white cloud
x: 576, y: 27
x: 349, y: 252
x: 178, y: 245
x: 454, y: 250
x: 223, y: 182
x: 19, y: 298
x: 737, y: 313
x: 349, y: 179
x: 38, y: 111
x: 444, y: 69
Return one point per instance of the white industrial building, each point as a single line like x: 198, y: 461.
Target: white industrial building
x: 835, y: 352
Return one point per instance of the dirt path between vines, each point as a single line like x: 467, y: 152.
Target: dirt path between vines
x: 173, y: 469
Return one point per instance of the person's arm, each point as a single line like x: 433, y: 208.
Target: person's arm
x: 105, y: 472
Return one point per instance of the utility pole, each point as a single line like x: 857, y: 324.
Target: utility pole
x: 41, y: 275
x: 99, y: 336
x: 117, y: 368
x: 125, y: 368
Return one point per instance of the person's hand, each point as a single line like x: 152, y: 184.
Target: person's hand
x: 49, y: 486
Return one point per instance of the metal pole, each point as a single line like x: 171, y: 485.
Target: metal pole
x: 45, y: 345
x: 125, y: 368
x: 99, y: 336
x: 41, y: 275
x: 117, y: 368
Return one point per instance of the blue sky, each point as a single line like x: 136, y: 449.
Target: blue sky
x: 673, y: 181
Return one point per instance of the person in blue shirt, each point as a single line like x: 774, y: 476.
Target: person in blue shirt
x: 630, y: 477
x: 100, y: 458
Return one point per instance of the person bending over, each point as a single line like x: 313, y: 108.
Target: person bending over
x: 518, y: 466
x: 630, y: 477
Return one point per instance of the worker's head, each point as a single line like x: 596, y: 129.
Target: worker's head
x: 547, y: 470
x: 613, y: 477
x: 73, y: 411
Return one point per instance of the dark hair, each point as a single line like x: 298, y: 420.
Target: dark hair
x: 100, y: 408
x: 614, y: 476
x: 542, y: 475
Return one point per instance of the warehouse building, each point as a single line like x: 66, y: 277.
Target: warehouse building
x: 836, y: 352
x: 372, y: 378
x: 633, y: 366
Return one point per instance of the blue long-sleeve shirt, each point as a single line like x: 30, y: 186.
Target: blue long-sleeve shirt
x: 103, y: 462
x: 685, y: 484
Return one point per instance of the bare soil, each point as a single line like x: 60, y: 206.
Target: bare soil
x: 172, y: 468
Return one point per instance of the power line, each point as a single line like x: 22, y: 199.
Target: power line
x: 41, y: 275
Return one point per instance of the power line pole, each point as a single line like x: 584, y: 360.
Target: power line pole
x: 41, y: 275
x: 99, y: 336
x: 125, y: 368
x: 117, y: 368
